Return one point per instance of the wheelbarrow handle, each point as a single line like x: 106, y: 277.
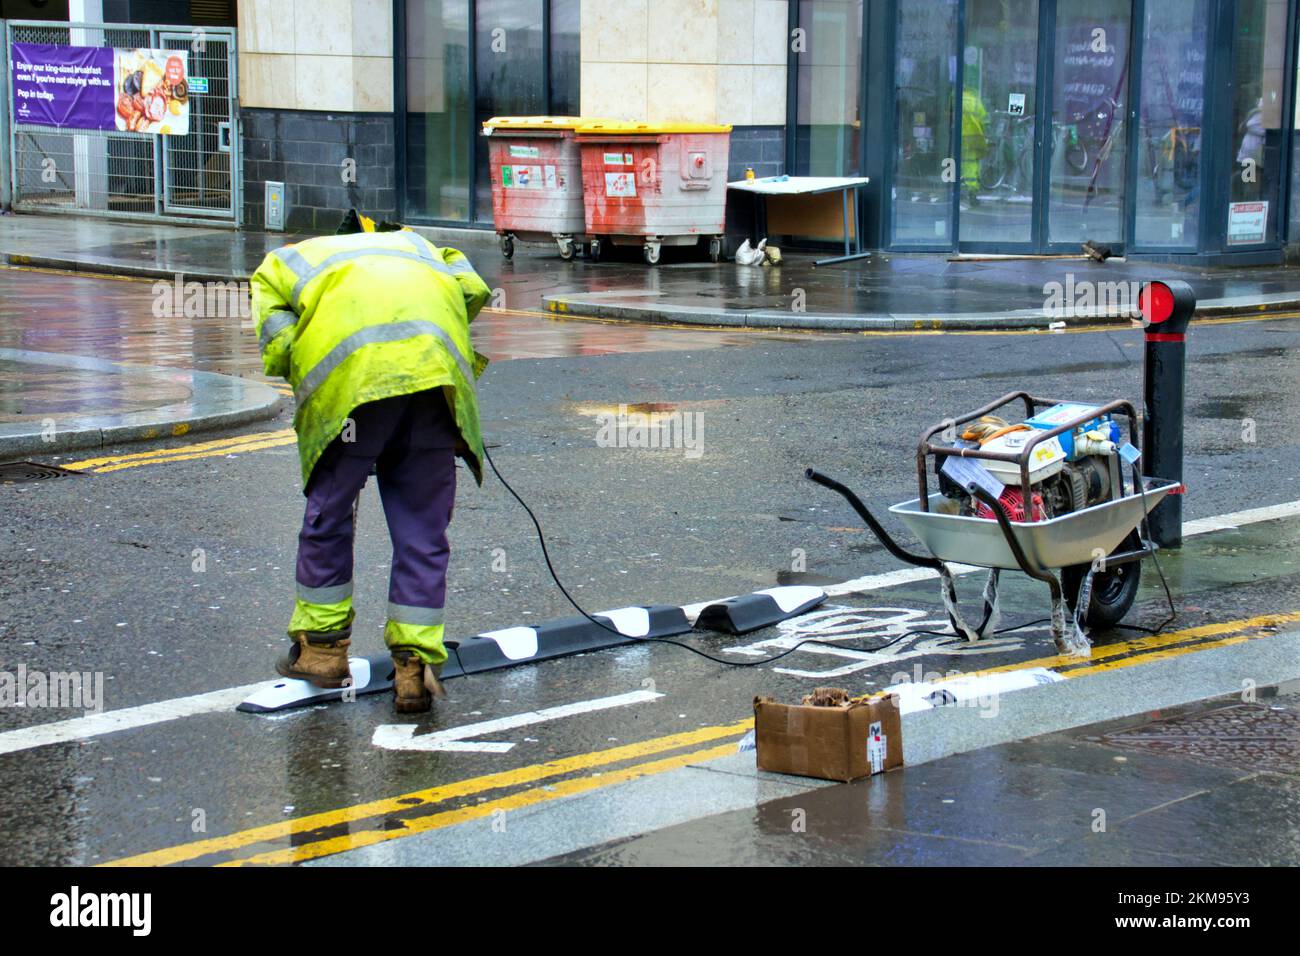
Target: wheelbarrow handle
x: 877, y: 529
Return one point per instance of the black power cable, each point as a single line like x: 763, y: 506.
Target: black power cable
x: 1145, y: 525
x: 541, y: 538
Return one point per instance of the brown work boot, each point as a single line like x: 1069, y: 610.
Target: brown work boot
x: 415, y: 683
x: 321, y: 658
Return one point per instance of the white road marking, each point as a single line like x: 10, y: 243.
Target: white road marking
x: 402, y: 736
x: 837, y: 622
x: 1238, y: 518
x: 128, y: 718
x: 891, y: 579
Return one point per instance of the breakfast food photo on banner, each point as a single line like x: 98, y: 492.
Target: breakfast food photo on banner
x: 152, y: 88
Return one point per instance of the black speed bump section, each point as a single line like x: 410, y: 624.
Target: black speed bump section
x: 494, y: 650
x: 751, y: 612
x: 489, y: 651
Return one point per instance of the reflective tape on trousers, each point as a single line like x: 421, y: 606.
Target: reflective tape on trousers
x: 332, y: 594
x: 415, y: 616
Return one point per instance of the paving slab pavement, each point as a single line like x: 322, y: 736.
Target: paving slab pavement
x: 1088, y: 797
x: 51, y: 402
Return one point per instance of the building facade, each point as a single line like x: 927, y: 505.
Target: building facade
x: 1162, y: 128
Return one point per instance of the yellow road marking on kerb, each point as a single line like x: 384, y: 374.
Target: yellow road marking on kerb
x: 409, y: 801
x: 515, y: 801
x: 1163, y: 654
x: 216, y: 446
x: 1077, y: 666
x: 1106, y: 658
x: 229, y: 450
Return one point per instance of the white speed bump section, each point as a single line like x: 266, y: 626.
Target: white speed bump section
x: 793, y: 597
x: 751, y: 612
x: 370, y: 675
x: 516, y: 643
x: 632, y: 621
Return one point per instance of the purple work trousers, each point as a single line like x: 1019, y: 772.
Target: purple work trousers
x: 409, y: 442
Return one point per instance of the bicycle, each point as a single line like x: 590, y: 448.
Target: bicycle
x: 1012, y: 139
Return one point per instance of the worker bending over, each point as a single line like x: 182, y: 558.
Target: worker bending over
x: 371, y: 328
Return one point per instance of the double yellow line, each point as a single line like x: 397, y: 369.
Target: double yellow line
x: 207, y: 449
x: 1151, y: 647
x: 369, y: 823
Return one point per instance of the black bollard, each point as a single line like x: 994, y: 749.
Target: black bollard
x: 1166, y: 309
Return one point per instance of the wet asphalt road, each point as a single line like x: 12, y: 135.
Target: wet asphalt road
x: 98, y: 574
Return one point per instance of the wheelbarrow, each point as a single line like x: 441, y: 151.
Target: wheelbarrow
x: 1097, y: 550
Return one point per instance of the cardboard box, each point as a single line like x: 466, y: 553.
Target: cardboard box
x: 831, y: 743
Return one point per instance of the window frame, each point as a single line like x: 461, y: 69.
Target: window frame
x: 400, y: 177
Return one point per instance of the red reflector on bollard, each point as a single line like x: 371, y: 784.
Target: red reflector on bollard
x: 1156, y: 302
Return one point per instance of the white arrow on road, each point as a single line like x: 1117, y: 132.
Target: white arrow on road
x: 455, y: 739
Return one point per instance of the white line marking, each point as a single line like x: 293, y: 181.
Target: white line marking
x: 1238, y: 518
x: 402, y: 736
x: 128, y: 718
x: 891, y: 579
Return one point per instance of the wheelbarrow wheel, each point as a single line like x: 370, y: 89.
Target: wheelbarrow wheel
x: 1113, y: 590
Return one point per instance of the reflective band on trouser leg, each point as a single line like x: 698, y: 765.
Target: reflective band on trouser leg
x: 424, y: 639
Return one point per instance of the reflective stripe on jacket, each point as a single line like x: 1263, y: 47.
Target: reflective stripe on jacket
x: 357, y: 318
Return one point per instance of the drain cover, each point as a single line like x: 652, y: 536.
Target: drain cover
x: 19, y: 472
x: 1243, y: 736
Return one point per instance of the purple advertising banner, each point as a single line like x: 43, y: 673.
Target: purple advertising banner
x: 64, y: 86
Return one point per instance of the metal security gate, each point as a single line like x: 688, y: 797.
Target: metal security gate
x: 191, y: 178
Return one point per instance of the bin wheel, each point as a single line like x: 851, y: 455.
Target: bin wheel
x: 650, y: 254
x: 594, y: 250
x: 1113, y: 590
x: 508, y: 247
x: 715, y: 250
x: 567, y: 250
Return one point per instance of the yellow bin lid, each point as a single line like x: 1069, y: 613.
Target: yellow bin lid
x: 624, y: 128
x: 535, y: 122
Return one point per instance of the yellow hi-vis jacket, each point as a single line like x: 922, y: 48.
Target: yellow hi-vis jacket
x: 357, y: 318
